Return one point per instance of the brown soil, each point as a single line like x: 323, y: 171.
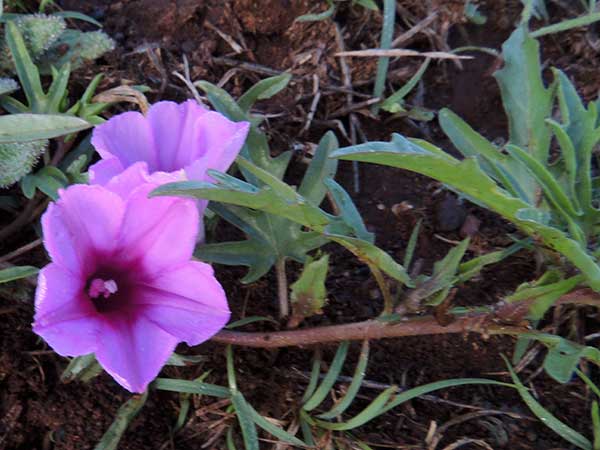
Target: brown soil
x: 37, y: 411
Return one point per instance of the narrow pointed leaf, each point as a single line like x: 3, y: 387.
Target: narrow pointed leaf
x: 321, y: 168
x: 334, y: 370
x: 547, y: 418
x: 27, y: 71
x: 32, y: 127
x: 191, y: 387
x: 357, y: 379
x: 264, y: 89
x: 374, y: 409
x: 16, y: 273
x: 245, y: 420
x: 126, y: 413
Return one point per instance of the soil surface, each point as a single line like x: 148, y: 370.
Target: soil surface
x: 38, y: 411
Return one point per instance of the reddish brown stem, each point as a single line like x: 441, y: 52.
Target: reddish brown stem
x: 506, y: 319
x: 369, y: 329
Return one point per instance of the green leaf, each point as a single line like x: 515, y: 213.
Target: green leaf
x: 48, y: 179
x: 314, y: 377
x: 32, y: 127
x: 508, y: 172
x: 270, y: 428
x: 16, y: 273
x: 263, y: 90
x: 191, y: 387
x: 82, y: 368
x: 125, y: 414
x: 467, y: 178
x: 222, y: 101
x: 526, y: 100
x: 368, y: 4
x: 471, y: 268
x: 370, y: 254
x: 184, y: 360
x: 547, y: 418
x: 374, y: 409
x: 568, y: 24
x: 334, y: 370
x: 352, y: 391
x: 8, y: 85
x: 78, y: 16
x: 579, y: 124
x: 309, y: 294
x: 552, y: 190
x: 321, y: 168
x: 58, y: 89
x: 431, y: 387
x: 348, y: 211
x: 445, y: 274
x: 26, y: 71
x: 249, y: 320
x: 387, y: 34
x: 596, y: 424
x: 320, y: 16
x: 544, y: 293
x: 244, y: 414
x: 250, y: 253
x: 394, y: 102
x: 412, y: 244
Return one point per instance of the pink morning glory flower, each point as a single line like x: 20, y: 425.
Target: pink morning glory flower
x: 170, y: 138
x: 122, y: 283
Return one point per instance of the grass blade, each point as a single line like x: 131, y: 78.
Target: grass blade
x: 412, y: 244
x: 330, y: 379
x: 427, y: 388
x: 244, y: 415
x: 596, y: 424
x: 191, y: 387
x: 314, y: 377
x: 125, y: 415
x: 547, y: 418
x: 16, y: 273
x: 387, y: 34
x: 375, y: 408
x: 567, y: 25
x: 391, y: 104
x: 272, y: 429
x: 359, y: 375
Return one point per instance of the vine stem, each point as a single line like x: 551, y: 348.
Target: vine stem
x: 507, y: 318
x: 282, y: 289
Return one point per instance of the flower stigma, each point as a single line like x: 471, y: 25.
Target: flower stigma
x: 100, y: 287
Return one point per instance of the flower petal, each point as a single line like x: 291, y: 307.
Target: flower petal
x: 188, y: 302
x: 175, y: 132
x: 104, y: 170
x: 132, y: 349
x: 220, y: 141
x: 83, y: 223
x: 128, y: 137
x: 159, y: 232
x: 64, y: 316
